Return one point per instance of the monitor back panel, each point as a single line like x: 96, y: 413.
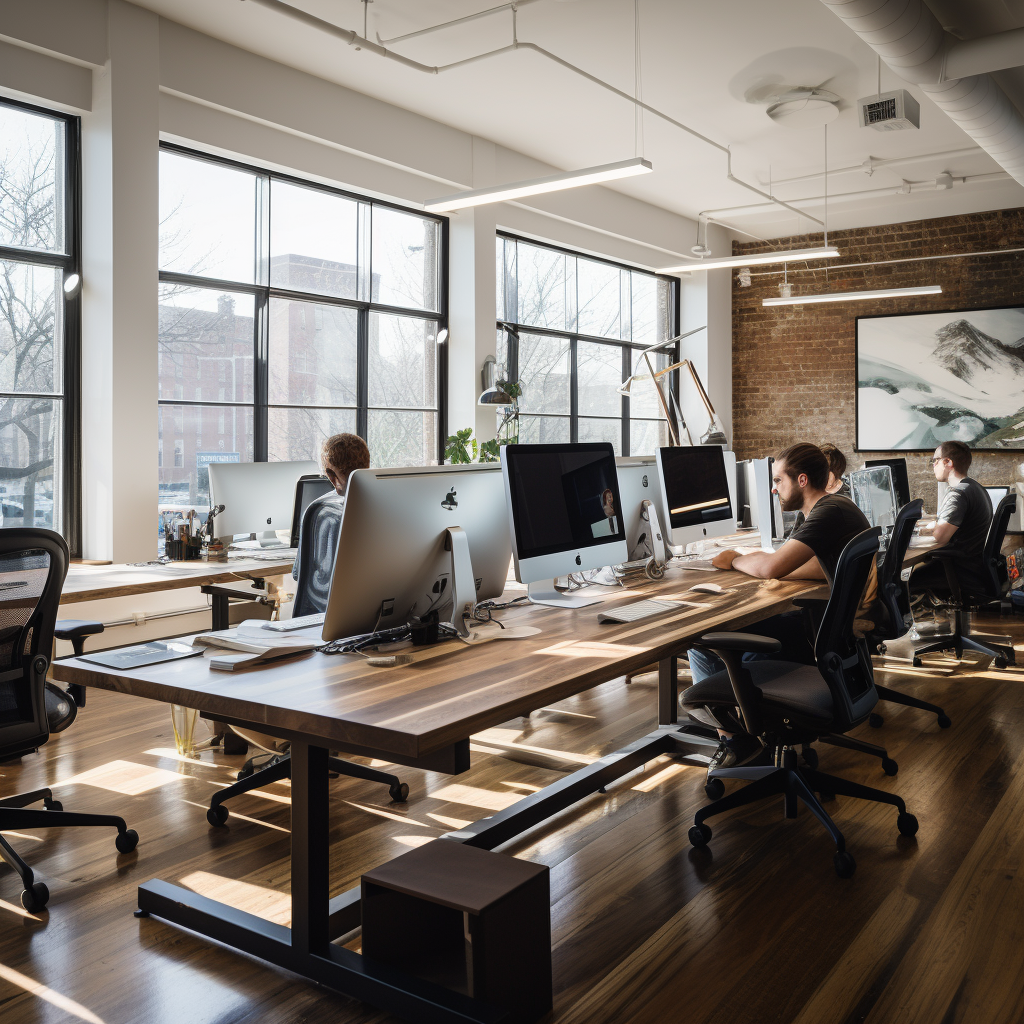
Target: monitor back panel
x: 258, y: 497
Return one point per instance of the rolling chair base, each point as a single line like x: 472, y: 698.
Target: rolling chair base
x: 994, y: 647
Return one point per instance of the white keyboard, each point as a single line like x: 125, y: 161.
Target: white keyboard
x: 302, y: 622
x: 638, y: 610
x: 281, y: 554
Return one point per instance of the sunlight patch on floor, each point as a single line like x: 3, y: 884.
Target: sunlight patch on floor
x: 124, y: 777
x: 171, y: 754
x: 48, y: 995
x: 413, y: 841
x: 472, y: 796
x: 450, y: 822
x: 241, y: 817
x: 269, y: 904
x: 403, y: 818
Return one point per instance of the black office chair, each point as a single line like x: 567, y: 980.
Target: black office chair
x: 972, y: 586
x: 321, y: 528
x: 787, y: 704
x: 33, y: 564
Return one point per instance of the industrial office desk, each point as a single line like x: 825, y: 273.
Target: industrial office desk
x: 422, y: 714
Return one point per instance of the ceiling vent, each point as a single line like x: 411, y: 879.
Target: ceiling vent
x: 890, y: 112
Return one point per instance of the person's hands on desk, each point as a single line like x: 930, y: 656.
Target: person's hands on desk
x: 724, y: 559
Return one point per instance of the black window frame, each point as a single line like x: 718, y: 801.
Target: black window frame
x: 630, y: 349
x: 264, y: 293
x: 70, y: 262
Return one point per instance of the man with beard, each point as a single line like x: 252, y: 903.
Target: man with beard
x: 800, y: 477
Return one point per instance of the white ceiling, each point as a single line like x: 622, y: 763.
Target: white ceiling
x: 707, y: 64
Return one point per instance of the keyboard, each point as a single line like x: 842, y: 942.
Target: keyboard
x: 638, y: 611
x: 703, y: 564
x: 301, y: 622
x: 281, y: 554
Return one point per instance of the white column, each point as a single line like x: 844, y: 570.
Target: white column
x: 119, y: 340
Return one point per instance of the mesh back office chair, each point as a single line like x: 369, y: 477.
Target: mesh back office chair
x: 33, y: 564
x: 970, y: 587
x: 787, y: 704
x: 318, y: 542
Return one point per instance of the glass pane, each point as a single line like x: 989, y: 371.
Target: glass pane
x: 601, y: 430
x: 312, y: 353
x: 599, y: 375
x: 597, y: 299
x: 543, y: 275
x: 297, y: 434
x: 647, y: 435
x: 645, y: 309
x: 190, y: 438
x: 402, y: 438
x: 30, y: 452
x: 207, y: 218
x: 312, y: 241
x: 31, y: 180
x: 543, y: 429
x: 403, y: 361
x: 205, y: 351
x: 544, y: 373
x: 29, y: 360
x: 643, y: 397
x: 404, y: 261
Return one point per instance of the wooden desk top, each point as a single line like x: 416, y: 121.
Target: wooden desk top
x: 95, y: 582
x: 452, y: 690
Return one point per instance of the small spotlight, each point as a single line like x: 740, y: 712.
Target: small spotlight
x: 71, y: 283
x: 442, y: 336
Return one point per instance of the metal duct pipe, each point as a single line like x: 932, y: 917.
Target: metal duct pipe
x: 989, y: 53
x: 909, y: 38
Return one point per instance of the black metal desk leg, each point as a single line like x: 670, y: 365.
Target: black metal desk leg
x: 219, y: 608
x: 668, y: 691
x: 310, y: 849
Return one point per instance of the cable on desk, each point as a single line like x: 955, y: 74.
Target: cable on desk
x: 356, y: 644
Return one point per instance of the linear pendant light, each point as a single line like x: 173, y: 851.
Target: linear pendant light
x: 536, y: 186
x: 877, y: 293
x: 823, y: 252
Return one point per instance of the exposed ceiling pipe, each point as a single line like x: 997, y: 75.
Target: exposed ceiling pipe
x: 361, y: 43
x: 871, y: 165
x: 997, y: 52
x: 454, y: 21
x: 909, y: 38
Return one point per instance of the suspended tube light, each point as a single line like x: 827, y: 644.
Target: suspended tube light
x: 823, y: 252
x: 876, y: 293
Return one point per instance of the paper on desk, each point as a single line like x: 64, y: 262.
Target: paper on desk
x: 492, y: 631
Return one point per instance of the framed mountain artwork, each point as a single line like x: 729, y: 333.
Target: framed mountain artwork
x: 923, y: 378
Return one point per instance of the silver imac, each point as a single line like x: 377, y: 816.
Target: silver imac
x: 564, y: 514
x: 763, y: 505
x: 258, y: 497
x: 417, y: 540
x: 873, y: 491
x: 696, y: 493
x: 638, y: 491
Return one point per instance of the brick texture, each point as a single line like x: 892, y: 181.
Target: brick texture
x: 794, y: 372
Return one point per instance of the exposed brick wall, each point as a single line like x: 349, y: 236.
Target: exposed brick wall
x: 794, y: 373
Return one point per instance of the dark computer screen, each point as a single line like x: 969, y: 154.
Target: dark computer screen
x: 308, y: 489
x: 696, y: 485
x: 564, y: 497
x: 900, y: 480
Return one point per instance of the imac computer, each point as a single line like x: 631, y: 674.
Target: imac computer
x: 564, y: 514
x: 900, y: 480
x: 258, y: 497
x: 872, y: 490
x: 638, y: 491
x: 308, y: 489
x: 414, y: 541
x: 696, y: 493
x: 754, y: 477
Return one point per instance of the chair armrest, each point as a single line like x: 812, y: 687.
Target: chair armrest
x: 72, y: 629
x: 745, y: 642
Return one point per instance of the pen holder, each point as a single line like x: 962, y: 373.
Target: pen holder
x: 184, y: 550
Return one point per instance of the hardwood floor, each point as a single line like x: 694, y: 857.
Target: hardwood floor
x: 756, y: 928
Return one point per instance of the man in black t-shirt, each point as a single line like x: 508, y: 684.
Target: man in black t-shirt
x: 800, y: 476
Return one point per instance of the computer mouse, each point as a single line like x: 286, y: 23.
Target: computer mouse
x: 707, y: 588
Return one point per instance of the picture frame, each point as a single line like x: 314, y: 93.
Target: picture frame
x: 924, y: 378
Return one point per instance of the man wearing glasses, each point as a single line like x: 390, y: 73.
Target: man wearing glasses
x: 962, y: 522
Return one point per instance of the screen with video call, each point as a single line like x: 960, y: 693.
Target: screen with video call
x: 564, y: 497
x: 696, y: 487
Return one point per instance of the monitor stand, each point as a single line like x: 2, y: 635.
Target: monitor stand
x: 463, y: 581
x: 269, y: 539
x: 544, y: 592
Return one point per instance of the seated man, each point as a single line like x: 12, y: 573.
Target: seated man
x: 800, y: 476
x: 962, y: 522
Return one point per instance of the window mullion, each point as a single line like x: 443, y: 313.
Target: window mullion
x: 261, y: 379
x: 627, y: 369
x: 574, y: 397
x: 363, y: 373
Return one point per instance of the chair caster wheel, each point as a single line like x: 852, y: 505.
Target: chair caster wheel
x: 217, y: 816
x: 945, y: 721
x: 810, y: 756
x: 844, y: 863
x: 127, y: 841
x: 53, y: 805
x: 889, y: 766
x: 714, y: 789
x: 1000, y: 663
x: 907, y: 824
x: 917, y: 663
x: 699, y: 835
x: 875, y: 721
x: 399, y: 793
x: 34, y: 899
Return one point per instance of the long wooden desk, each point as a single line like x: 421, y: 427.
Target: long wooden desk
x: 423, y: 714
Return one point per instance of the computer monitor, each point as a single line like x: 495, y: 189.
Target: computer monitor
x: 996, y: 495
x: 258, y: 497
x: 900, y: 480
x: 754, y: 477
x: 696, y: 493
x: 638, y: 492
x: 308, y: 489
x: 872, y: 489
x: 564, y: 514
x: 417, y: 540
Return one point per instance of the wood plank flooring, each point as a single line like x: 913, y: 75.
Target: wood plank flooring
x: 756, y: 928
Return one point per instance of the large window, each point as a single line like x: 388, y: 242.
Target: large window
x: 290, y: 312
x: 39, y: 319
x: 571, y: 330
